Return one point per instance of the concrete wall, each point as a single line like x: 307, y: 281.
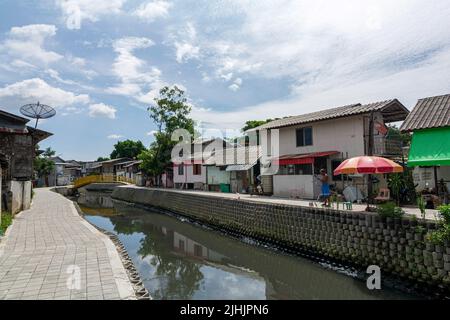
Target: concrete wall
x: 301, y: 186
x: 362, y: 239
x: 21, y: 195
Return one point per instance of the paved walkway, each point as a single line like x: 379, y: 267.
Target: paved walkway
x: 430, y: 214
x: 50, y: 252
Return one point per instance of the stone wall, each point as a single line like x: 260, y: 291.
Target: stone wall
x: 358, y: 238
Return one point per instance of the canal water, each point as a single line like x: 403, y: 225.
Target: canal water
x: 180, y: 260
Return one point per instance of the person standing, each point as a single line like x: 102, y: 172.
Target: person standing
x: 325, y: 187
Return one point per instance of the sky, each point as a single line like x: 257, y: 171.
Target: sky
x: 101, y: 63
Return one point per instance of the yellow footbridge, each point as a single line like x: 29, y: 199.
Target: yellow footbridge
x: 84, y: 181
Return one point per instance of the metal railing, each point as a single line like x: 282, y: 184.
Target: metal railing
x: 105, y: 178
x: 386, y: 146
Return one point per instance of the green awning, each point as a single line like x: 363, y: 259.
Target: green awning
x: 430, y: 147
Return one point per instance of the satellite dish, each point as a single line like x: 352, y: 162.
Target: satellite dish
x: 37, y: 111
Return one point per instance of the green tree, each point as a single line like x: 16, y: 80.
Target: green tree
x: 127, y: 149
x: 169, y: 112
x: 395, y: 134
x: 100, y: 159
x: 43, y: 165
x: 251, y: 124
x: 49, y: 152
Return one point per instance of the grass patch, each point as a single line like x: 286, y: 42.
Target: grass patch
x: 5, y: 223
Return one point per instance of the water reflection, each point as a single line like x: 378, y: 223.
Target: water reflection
x: 178, y: 260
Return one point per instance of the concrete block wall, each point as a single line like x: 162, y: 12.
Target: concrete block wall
x: 397, y: 246
x: 21, y: 195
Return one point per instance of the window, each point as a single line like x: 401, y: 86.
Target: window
x: 181, y: 169
x: 339, y: 177
x: 295, y: 169
x: 304, y: 137
x: 197, y: 169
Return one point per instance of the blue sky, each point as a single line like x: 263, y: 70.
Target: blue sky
x: 100, y: 63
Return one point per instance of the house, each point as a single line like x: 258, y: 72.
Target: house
x: 108, y: 167
x: 323, y: 139
x: 64, y: 173
x: 17, y: 153
x: 191, y: 172
x: 429, y: 153
x: 131, y: 171
x: 235, y: 169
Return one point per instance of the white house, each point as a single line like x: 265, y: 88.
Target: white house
x: 191, y: 173
x: 323, y: 139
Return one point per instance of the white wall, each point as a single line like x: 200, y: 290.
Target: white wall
x: 344, y: 135
x: 425, y: 175
x: 217, y: 176
x: 301, y: 186
x: 21, y: 195
x: 26, y: 195
x: 188, y: 175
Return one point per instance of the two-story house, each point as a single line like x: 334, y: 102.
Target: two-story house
x: 322, y: 140
x: 192, y: 172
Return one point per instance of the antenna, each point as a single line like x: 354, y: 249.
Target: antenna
x: 37, y: 111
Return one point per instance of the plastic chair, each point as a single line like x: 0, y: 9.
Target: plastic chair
x: 383, y: 195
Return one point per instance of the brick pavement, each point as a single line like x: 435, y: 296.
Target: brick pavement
x: 50, y: 252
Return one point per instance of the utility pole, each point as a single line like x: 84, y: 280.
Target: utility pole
x: 370, y: 153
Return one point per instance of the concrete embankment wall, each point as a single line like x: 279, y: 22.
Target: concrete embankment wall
x: 363, y: 239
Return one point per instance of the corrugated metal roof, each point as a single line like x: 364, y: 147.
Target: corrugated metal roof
x: 239, y: 167
x: 394, y: 110
x: 432, y: 112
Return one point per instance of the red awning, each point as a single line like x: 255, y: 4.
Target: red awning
x: 305, y: 158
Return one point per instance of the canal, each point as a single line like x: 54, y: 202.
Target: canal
x: 180, y: 260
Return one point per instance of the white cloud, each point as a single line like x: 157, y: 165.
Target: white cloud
x: 236, y: 85
x: 26, y: 44
x: 115, y: 136
x: 75, y: 11
x: 152, y: 133
x: 36, y: 89
x: 185, y: 42
x: 152, y: 10
x: 102, y: 110
x: 186, y: 51
x: 137, y: 78
x: 313, y: 42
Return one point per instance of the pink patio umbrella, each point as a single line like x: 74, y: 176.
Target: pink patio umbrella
x: 367, y: 165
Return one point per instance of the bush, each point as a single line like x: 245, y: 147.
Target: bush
x: 390, y: 210
x: 439, y: 236
x: 5, y: 223
x: 444, y: 211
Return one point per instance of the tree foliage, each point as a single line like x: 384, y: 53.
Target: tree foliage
x: 43, y: 165
x: 251, y: 124
x: 100, y: 159
x: 395, y: 134
x: 169, y: 112
x: 127, y: 149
